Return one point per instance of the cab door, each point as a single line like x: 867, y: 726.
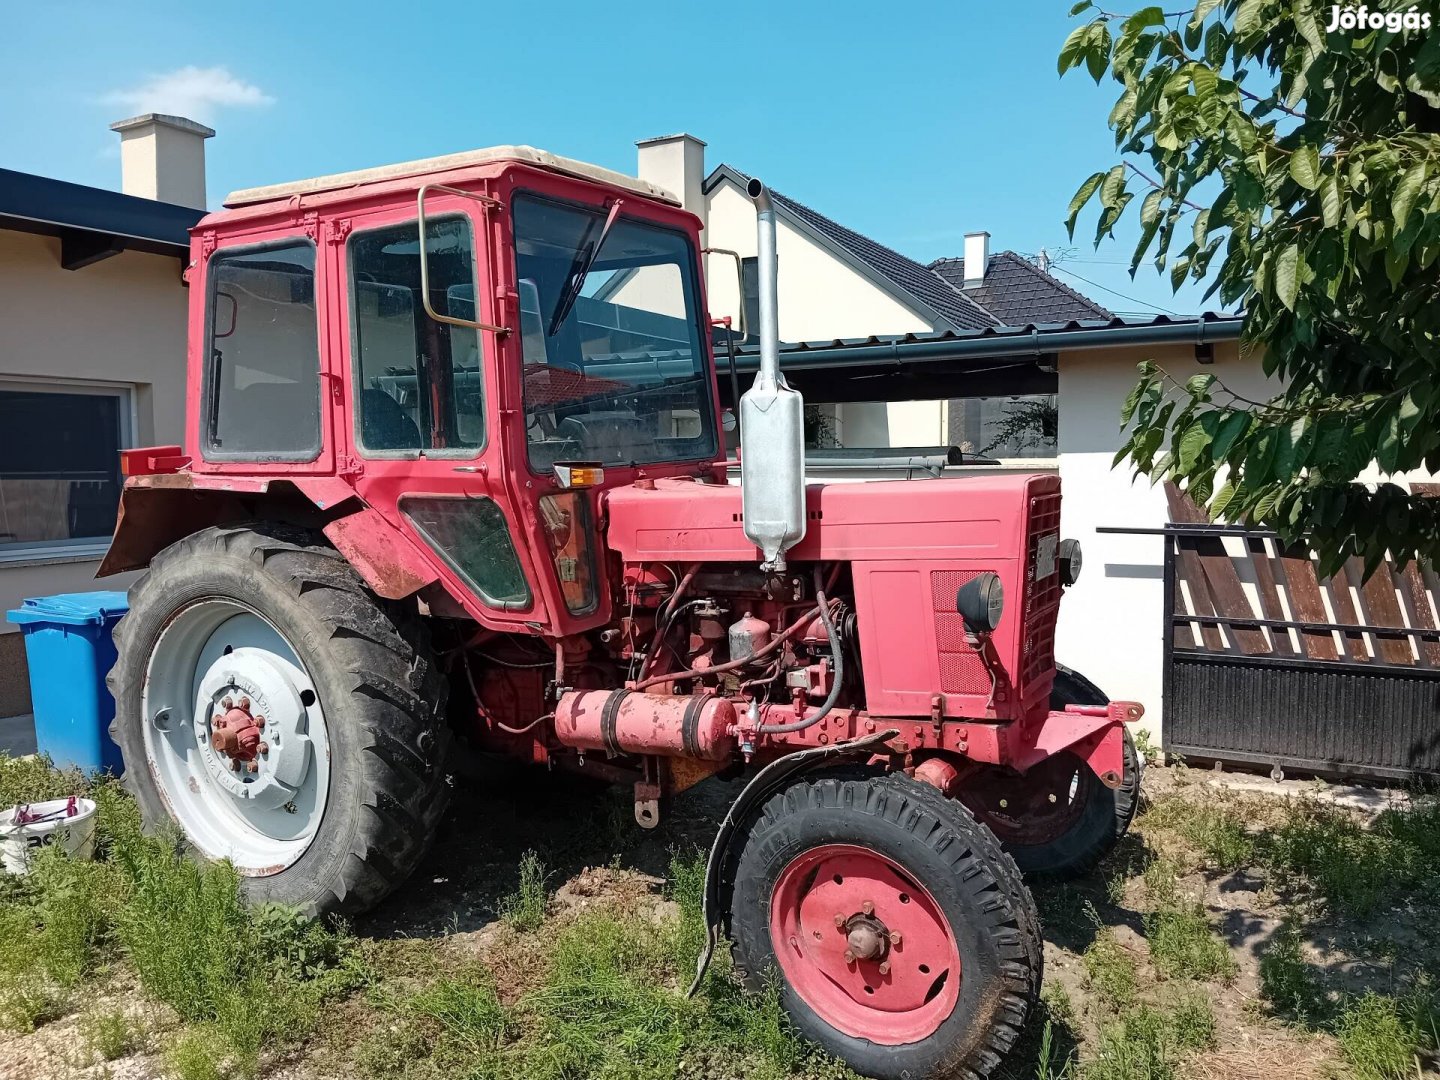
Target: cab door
x: 420, y: 418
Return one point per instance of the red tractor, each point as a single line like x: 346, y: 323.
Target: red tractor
x: 454, y: 469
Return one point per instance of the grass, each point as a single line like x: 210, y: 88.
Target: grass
x: 1111, y: 971
x: 524, y: 909
x: 1183, y: 946
x: 112, y: 1034
x: 1382, y: 1036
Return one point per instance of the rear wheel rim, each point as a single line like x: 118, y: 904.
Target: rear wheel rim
x: 864, y: 945
x: 219, y: 665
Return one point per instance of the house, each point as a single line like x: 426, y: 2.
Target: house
x: 92, y: 357
x: 836, y: 284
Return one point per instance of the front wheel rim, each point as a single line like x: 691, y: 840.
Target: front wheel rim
x: 235, y: 736
x: 864, y: 945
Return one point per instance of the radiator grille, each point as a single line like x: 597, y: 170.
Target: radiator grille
x: 961, y: 670
x: 1042, y: 598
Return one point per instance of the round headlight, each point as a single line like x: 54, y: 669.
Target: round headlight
x: 981, y: 602
x: 1070, y: 561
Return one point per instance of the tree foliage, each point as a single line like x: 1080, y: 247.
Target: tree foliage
x: 1295, y: 163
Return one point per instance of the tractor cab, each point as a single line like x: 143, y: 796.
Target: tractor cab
x: 474, y: 360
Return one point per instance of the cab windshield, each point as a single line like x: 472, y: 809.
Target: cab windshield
x: 614, y: 368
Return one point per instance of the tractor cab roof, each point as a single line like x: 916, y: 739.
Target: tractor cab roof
x: 445, y: 163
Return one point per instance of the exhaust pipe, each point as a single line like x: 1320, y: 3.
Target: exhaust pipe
x: 772, y: 418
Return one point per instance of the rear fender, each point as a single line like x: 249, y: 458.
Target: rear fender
x: 159, y: 509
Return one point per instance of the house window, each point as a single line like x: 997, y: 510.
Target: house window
x: 750, y: 280
x: 262, y: 378
x: 1005, y: 425
x: 59, y: 468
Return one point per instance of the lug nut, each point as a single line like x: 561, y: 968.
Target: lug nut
x: 840, y: 922
x: 259, y: 721
x: 244, y: 704
x: 849, y: 957
x: 884, y: 967
x: 227, y: 703
x: 895, y: 939
x: 252, y: 767
x: 264, y: 748
x: 235, y: 765
x: 867, y: 908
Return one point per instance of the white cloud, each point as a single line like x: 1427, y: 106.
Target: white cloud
x: 193, y: 92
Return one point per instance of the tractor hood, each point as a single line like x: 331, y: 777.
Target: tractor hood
x: 685, y: 520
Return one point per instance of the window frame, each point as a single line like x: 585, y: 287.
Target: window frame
x: 357, y: 428
x: 15, y: 553
x: 207, y: 449
x: 448, y: 560
x: 692, y: 281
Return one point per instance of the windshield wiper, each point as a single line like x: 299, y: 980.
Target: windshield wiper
x: 583, y: 262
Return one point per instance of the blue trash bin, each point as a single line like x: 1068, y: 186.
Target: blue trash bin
x: 68, y: 646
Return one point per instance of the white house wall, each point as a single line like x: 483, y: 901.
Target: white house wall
x: 118, y: 322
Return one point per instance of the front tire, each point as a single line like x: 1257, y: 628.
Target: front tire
x: 833, y: 864
x: 266, y: 631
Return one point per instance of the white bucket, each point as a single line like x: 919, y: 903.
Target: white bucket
x: 73, y: 832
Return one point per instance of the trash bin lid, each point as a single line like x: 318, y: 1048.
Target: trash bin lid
x: 71, y: 609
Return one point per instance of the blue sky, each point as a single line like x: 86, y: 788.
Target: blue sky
x: 912, y: 123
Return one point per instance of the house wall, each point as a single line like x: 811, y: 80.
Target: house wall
x: 1111, y: 620
x: 119, y: 322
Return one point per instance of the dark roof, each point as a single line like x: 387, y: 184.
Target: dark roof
x: 1031, y: 339
x: 1016, y: 291
x: 902, y: 273
x: 39, y: 204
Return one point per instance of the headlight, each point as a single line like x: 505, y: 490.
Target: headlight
x: 981, y: 602
x: 1070, y: 561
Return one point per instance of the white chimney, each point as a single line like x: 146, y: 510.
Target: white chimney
x: 677, y: 164
x: 977, y: 258
x: 163, y: 158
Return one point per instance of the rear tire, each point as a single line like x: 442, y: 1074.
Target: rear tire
x: 1058, y: 820
x: 958, y: 986
x: 356, y: 672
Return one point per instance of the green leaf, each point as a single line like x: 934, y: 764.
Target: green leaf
x: 1247, y: 18
x: 1199, y: 385
x: 1287, y: 282
x: 1081, y: 6
x: 1230, y: 429
x: 1221, y: 500
x: 1097, y: 56
x: 1082, y: 196
x: 1202, y: 9
x: 1192, y: 444
x: 1150, y: 207
x: 1406, y: 191
x: 1070, y: 51
x: 1305, y: 167
x: 1330, y: 200
x: 1127, y: 410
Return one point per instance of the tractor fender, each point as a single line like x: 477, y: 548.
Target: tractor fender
x: 762, y: 785
x: 158, y: 509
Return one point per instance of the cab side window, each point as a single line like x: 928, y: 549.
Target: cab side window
x: 419, y: 382
x: 262, y: 377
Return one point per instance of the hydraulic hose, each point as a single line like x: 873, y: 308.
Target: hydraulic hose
x: 837, y: 664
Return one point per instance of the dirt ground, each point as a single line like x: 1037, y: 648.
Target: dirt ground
x: 594, y: 854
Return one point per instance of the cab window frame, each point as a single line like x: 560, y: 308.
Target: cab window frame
x: 452, y: 453
x: 209, y: 451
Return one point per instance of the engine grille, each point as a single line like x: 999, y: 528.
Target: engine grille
x: 1042, y: 598
x: 961, y: 669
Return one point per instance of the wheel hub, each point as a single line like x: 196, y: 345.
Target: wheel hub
x: 250, y: 731
x: 864, y: 944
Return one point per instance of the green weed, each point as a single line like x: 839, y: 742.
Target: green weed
x: 112, y: 1034
x: 524, y: 909
x: 1379, y: 1037
x: 1288, y: 982
x: 1135, y: 1047
x: 1111, y: 970
x: 1183, y: 946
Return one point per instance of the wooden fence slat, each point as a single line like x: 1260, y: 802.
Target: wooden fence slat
x: 1380, y: 608
x: 1344, y: 607
x: 1416, y: 595
x: 1306, y: 603
x: 1226, y: 592
x: 1269, y: 593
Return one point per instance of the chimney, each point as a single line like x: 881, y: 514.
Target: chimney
x: 977, y: 258
x: 677, y: 164
x: 163, y: 158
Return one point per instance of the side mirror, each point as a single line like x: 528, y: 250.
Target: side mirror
x: 981, y: 602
